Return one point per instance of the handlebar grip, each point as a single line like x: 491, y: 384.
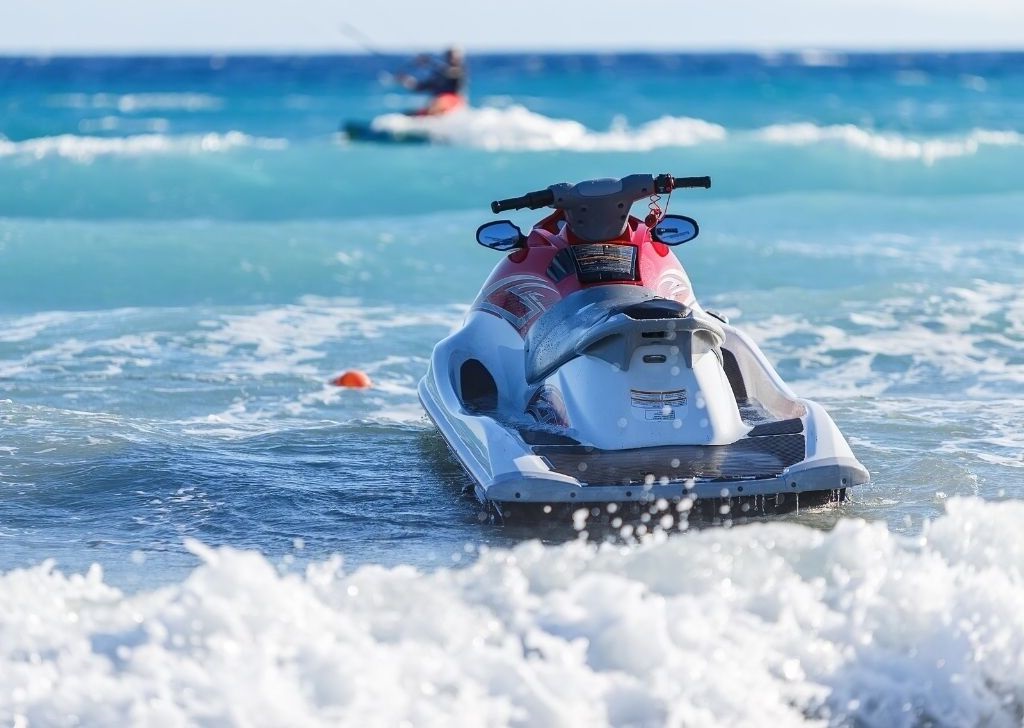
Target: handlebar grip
x: 532, y: 200
x: 704, y: 182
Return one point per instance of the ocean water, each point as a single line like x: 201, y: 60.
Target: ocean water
x: 197, y: 528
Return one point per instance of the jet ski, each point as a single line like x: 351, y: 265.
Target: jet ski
x: 367, y: 131
x: 586, y: 374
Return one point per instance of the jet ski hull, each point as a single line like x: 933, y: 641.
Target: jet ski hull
x: 519, y: 468
x: 363, y: 131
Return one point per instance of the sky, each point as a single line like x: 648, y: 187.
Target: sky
x: 165, y: 26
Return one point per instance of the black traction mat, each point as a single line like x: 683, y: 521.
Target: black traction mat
x: 752, y: 457
x: 779, y: 427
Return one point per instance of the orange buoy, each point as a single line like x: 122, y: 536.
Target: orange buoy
x: 354, y: 379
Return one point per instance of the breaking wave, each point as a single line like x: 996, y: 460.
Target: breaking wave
x: 86, y: 148
x: 517, y: 128
x: 132, y: 103
x: 889, y: 145
x: 765, y: 624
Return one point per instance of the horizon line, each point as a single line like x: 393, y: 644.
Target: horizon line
x: 501, y: 51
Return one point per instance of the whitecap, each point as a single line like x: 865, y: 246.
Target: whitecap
x: 857, y: 625
x: 889, y: 145
x: 87, y: 148
x: 517, y: 128
x: 970, y: 336
x: 137, y: 102
x: 820, y: 58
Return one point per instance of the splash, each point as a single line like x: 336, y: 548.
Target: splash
x: 517, y: 128
x: 856, y: 625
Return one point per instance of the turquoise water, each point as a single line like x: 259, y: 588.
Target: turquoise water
x: 189, y: 253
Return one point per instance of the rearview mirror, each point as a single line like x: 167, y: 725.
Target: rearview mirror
x: 675, y: 230
x: 500, y: 235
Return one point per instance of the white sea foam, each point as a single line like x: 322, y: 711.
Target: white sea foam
x: 294, y: 341
x: 270, y: 364
x: 889, y: 145
x: 934, y: 371
x: 968, y: 336
x: 767, y: 624
x: 517, y: 128
x: 289, y: 339
x: 125, y: 125
x: 106, y: 357
x: 24, y: 328
x: 130, y: 103
x: 817, y: 58
x: 87, y: 148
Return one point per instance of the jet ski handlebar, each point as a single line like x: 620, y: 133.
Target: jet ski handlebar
x: 678, y: 182
x: 532, y: 200
x: 663, y: 184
